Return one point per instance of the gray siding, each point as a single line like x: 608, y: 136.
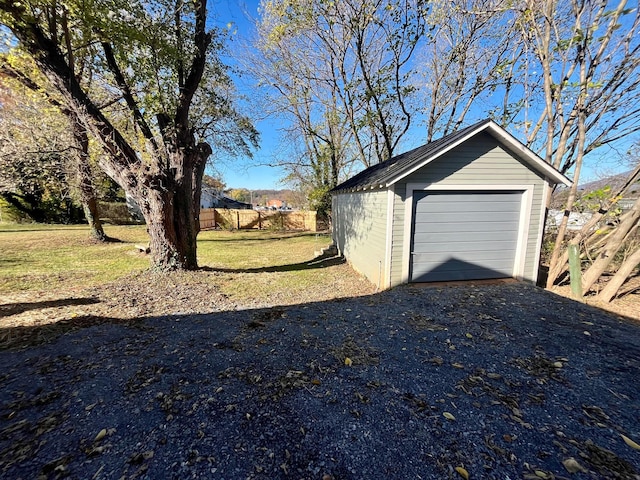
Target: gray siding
x: 359, y: 231
x: 479, y: 161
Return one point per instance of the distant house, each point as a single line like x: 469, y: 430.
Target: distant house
x: 577, y: 220
x: 213, y: 198
x: 275, y: 203
x: 615, y: 182
x: 626, y: 204
x: 468, y: 206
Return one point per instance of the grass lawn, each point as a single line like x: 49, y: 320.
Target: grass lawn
x: 36, y: 257
x: 54, y: 279
x: 247, y: 267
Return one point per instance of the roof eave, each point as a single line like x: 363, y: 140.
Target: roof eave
x: 438, y: 154
x: 550, y: 173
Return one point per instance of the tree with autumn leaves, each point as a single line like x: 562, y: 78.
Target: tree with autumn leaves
x: 145, y: 80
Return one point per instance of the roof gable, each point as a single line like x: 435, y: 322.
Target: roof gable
x: 395, y: 169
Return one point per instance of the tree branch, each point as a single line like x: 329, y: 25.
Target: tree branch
x: 202, y: 40
x: 127, y: 94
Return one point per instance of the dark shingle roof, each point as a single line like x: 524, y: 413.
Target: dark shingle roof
x: 378, y: 175
x: 385, y: 173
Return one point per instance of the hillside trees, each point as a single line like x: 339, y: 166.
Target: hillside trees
x: 163, y: 79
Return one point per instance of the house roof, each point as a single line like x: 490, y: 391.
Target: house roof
x: 387, y: 173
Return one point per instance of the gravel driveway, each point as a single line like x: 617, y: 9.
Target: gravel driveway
x: 494, y: 381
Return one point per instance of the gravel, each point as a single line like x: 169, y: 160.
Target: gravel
x: 502, y: 381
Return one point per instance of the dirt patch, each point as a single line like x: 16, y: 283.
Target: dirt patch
x: 147, y: 294
x: 626, y: 306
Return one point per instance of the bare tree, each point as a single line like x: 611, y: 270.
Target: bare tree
x: 340, y: 72
x: 587, y: 52
x: 469, y: 56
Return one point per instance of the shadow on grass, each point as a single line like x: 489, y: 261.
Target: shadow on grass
x: 322, y: 261
x: 246, y: 236
x: 16, y: 308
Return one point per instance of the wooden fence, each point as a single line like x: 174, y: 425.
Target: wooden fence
x: 229, y: 219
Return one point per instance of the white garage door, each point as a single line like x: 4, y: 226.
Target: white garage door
x: 466, y: 235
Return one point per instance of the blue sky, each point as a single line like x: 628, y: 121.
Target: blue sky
x: 252, y: 173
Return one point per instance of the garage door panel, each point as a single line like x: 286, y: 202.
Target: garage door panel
x: 440, y: 248
x: 465, y: 256
x: 460, y: 234
x: 468, y: 216
x: 477, y: 206
x: 464, y: 235
x: 452, y: 197
x: 463, y: 228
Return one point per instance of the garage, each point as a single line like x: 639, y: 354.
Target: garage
x: 468, y: 206
x: 464, y: 235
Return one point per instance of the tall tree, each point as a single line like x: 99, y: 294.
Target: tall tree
x: 153, y: 58
x: 340, y: 73
x: 587, y: 53
x: 467, y: 58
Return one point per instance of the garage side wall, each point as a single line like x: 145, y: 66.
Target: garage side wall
x: 359, y: 232
x: 477, y: 162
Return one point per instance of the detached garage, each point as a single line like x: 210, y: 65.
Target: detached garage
x: 468, y: 206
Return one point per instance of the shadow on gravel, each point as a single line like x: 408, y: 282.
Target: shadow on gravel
x: 7, y: 309
x: 499, y: 381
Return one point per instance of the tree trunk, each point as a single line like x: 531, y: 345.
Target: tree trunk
x: 85, y: 182
x: 614, y: 243
x: 612, y: 287
x: 173, y: 214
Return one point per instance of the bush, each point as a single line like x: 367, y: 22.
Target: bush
x: 116, y: 213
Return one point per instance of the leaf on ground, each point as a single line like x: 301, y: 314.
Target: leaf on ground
x: 101, y: 434
x: 572, y: 465
x: 448, y: 416
x: 348, y: 362
x: 463, y: 473
x: 630, y: 442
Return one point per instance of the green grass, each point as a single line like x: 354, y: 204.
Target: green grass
x: 258, y: 264
x: 36, y: 257
x: 257, y: 249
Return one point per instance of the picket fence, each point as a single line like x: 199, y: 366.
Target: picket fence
x: 229, y: 219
